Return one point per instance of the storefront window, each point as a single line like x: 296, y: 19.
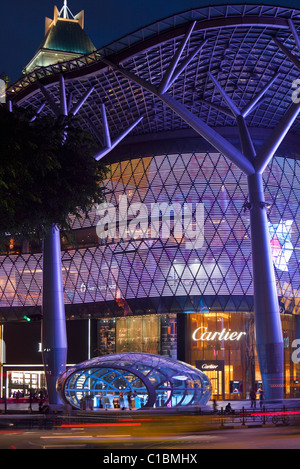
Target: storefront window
x: 292, y: 370
x: 153, y: 333
x: 106, y: 342
x: 24, y: 382
x: 138, y: 334
x: 222, y: 346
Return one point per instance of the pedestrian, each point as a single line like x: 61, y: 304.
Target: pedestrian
x: 215, y: 406
x: 253, y: 399
x: 261, y: 397
x: 228, y: 409
x: 121, y: 398
x: 129, y: 400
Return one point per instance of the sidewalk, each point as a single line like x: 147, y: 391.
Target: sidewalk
x: 239, y: 404
x: 19, y: 407
x: 24, y: 408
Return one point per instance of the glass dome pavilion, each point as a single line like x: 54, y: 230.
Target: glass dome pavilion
x: 147, y: 380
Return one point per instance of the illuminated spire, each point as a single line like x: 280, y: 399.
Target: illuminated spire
x: 64, y: 39
x: 64, y: 12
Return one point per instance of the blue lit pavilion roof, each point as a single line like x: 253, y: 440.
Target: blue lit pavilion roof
x: 136, y: 372
x: 240, y: 52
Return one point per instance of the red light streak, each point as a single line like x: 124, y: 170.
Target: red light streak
x: 135, y: 420
x: 291, y: 412
x: 3, y: 432
x: 70, y: 425
x: 146, y: 420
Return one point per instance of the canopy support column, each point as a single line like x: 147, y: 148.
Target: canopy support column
x: 268, y: 329
x: 54, y: 334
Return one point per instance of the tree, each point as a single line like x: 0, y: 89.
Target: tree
x: 47, y: 173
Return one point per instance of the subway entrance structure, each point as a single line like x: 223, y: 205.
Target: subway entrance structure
x: 134, y: 379
x: 216, y: 80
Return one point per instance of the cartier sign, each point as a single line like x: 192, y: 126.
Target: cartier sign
x: 210, y: 367
x: 203, y: 334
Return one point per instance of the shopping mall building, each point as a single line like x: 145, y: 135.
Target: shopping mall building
x: 165, y: 267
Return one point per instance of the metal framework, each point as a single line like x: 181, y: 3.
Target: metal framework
x: 208, y: 69
x: 154, y: 380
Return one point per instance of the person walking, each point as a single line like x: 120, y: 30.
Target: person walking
x: 253, y: 399
x: 261, y: 397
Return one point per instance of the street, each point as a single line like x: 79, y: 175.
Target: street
x: 151, y: 434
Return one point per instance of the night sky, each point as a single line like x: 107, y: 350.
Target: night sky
x: 23, y: 22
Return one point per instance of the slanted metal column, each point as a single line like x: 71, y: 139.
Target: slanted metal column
x: 54, y: 335
x: 268, y: 329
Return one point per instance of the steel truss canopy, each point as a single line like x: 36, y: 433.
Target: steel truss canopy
x: 213, y: 60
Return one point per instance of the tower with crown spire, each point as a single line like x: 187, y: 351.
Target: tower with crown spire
x: 65, y: 39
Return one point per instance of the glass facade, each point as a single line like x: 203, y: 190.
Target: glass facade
x: 221, y: 344
x: 138, y: 334
x: 136, y: 274
x: 144, y: 261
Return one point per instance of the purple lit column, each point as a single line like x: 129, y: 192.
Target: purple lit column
x: 54, y: 337
x: 268, y: 329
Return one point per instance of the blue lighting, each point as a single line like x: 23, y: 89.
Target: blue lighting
x: 134, y: 380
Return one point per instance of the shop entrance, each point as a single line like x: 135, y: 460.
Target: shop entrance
x: 214, y: 370
x: 23, y: 382
x: 215, y: 378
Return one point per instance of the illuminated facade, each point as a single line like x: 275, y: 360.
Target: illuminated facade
x: 146, y: 282
x: 216, y: 275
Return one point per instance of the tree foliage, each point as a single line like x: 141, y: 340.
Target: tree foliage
x: 47, y: 172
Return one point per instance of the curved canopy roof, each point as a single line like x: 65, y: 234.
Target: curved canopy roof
x: 241, y: 51
x: 156, y: 380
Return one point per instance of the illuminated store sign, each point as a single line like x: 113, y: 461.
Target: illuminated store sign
x: 209, y: 367
x: 203, y: 334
